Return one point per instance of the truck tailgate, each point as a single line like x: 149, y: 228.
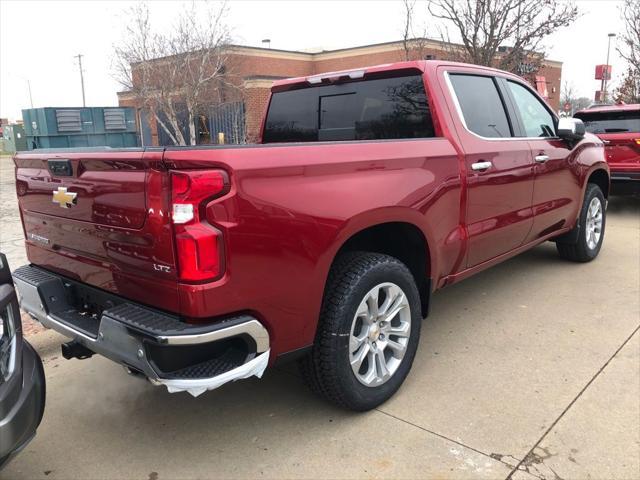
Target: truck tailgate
x: 622, y: 150
x: 99, y: 217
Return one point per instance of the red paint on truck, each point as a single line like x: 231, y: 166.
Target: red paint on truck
x: 291, y: 207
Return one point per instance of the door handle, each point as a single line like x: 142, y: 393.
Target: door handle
x: 480, y: 166
x: 542, y: 158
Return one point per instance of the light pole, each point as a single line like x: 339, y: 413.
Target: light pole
x: 79, y: 57
x: 607, y: 73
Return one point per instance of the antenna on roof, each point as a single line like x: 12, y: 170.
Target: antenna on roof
x: 266, y: 43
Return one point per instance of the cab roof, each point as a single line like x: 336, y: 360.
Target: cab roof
x: 418, y: 66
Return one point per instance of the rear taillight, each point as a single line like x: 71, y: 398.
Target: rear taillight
x: 637, y: 140
x: 198, y: 243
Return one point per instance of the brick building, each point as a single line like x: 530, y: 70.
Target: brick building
x: 256, y: 68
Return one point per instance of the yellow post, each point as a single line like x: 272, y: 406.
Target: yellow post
x: 220, y: 138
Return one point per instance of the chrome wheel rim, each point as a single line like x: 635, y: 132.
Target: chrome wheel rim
x: 593, y: 229
x: 379, y: 335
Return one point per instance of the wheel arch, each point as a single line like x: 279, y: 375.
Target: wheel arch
x: 403, y: 240
x: 600, y: 177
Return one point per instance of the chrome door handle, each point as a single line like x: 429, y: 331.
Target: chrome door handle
x: 542, y: 158
x: 480, y: 166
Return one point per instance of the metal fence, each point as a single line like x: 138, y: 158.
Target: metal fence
x: 222, y: 124
x: 228, y: 120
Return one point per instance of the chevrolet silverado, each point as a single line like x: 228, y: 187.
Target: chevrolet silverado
x: 371, y: 189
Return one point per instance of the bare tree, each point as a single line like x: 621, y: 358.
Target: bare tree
x: 506, y: 34
x: 414, y: 45
x: 568, y: 96
x: 176, y: 72
x: 630, y: 48
x: 629, y: 89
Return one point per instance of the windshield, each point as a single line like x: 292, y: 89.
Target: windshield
x: 611, y: 122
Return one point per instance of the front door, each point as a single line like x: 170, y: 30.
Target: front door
x: 555, y: 188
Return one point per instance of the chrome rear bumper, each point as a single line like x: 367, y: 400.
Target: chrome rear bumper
x: 156, y: 344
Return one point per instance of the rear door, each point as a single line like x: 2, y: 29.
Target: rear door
x: 101, y: 217
x: 555, y: 188
x: 499, y: 168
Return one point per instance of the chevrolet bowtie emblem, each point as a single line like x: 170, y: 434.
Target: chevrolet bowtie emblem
x: 63, y: 198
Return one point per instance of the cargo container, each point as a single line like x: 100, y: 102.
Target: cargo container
x: 51, y: 127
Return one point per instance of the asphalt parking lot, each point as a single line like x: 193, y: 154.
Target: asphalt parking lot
x: 530, y: 370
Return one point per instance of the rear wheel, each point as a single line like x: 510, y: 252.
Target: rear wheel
x: 367, y: 334
x: 590, y: 228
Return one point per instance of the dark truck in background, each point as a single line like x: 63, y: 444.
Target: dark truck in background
x: 195, y: 266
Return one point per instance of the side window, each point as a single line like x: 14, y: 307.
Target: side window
x: 292, y: 117
x: 536, y: 119
x: 481, y: 105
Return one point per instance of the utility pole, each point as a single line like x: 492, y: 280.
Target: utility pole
x: 79, y: 57
x: 608, y: 71
x: 30, y: 96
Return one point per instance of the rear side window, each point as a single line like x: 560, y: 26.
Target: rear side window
x: 611, y: 122
x: 536, y: 119
x: 481, y: 105
x: 388, y: 108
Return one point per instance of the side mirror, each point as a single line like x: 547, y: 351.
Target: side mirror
x: 571, y: 129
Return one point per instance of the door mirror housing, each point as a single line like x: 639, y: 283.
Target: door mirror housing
x: 571, y: 129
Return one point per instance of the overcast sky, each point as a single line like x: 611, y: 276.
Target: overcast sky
x: 38, y: 41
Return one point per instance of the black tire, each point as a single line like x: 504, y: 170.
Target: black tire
x: 579, y: 250
x: 327, y: 368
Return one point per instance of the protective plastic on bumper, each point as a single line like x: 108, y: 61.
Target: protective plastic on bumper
x: 197, y: 387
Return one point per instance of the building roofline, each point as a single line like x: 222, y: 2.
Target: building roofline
x: 350, y: 51
x: 395, y: 43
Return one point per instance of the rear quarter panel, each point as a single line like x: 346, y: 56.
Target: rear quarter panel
x: 292, y: 207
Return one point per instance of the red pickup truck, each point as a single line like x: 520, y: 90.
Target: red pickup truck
x: 618, y: 126
x: 195, y: 266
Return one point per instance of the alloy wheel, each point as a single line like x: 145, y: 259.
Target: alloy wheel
x: 379, y: 334
x: 593, y: 228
